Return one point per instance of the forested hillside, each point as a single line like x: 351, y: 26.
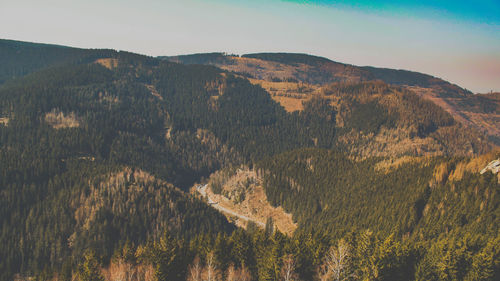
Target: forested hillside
x: 99, y: 148
x: 21, y: 58
x: 74, y: 134
x: 418, y: 196
x: 313, y: 72
x: 316, y: 70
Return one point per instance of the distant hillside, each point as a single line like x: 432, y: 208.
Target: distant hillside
x: 289, y: 58
x: 20, y: 58
x: 313, y: 70
x: 317, y: 70
x: 202, y: 58
x: 86, y: 164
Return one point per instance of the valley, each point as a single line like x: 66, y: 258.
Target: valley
x: 243, y: 198
x: 217, y: 203
x: 119, y: 165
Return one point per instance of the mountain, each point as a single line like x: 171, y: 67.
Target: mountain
x: 101, y: 154
x: 313, y: 70
x: 21, y: 58
x: 465, y: 107
x: 85, y: 164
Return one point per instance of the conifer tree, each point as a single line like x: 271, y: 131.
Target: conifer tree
x: 89, y: 270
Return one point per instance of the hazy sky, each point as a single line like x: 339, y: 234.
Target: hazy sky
x: 455, y: 40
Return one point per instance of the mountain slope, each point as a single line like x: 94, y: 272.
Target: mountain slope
x: 275, y: 67
x: 86, y: 165
x: 97, y: 155
x: 314, y: 70
x: 419, y: 197
x: 20, y: 58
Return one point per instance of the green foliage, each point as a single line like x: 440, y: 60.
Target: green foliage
x: 369, y: 117
x: 411, y: 78
x: 371, y: 105
x: 288, y: 58
x: 46, y: 174
x: 149, y: 129
x: 205, y: 58
x: 368, y: 256
x: 486, y: 263
x: 89, y: 269
x: 269, y: 229
x: 21, y: 58
x: 324, y: 188
x: 167, y: 260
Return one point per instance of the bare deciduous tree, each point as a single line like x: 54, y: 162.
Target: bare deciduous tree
x: 195, y: 270
x: 212, y: 272
x: 288, y: 269
x: 244, y: 274
x: 336, y: 265
x: 241, y: 274
x: 231, y: 273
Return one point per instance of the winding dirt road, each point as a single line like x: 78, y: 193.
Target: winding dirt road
x: 202, y: 189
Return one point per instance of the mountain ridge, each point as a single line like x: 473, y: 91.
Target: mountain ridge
x: 373, y: 73
x: 98, y: 149
x: 314, y: 70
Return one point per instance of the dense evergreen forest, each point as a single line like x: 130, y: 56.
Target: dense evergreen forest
x: 99, y: 148
x: 21, y: 58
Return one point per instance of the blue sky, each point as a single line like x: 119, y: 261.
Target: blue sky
x: 484, y: 11
x: 455, y: 40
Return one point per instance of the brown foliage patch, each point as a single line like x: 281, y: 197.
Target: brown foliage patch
x: 486, y: 122
x: 59, y: 120
x: 4, y: 121
x: 393, y: 163
x: 109, y: 63
x: 388, y: 143
x: 124, y: 271
x: 473, y: 165
x: 290, y: 95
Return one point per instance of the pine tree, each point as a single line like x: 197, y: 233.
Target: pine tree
x: 166, y: 258
x: 269, y: 230
x: 337, y: 265
x: 90, y: 269
x: 288, y: 269
x: 486, y: 264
